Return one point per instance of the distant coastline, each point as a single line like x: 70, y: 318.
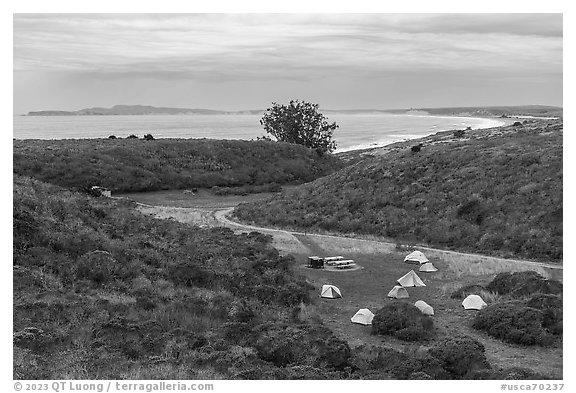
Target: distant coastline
x: 483, y: 111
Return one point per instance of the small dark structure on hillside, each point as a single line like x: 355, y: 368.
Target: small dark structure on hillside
x: 316, y: 262
x: 100, y: 191
x: 417, y: 148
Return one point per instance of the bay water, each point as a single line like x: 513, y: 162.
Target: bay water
x: 356, y: 131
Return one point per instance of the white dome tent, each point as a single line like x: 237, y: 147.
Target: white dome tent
x: 363, y: 317
x: 411, y: 279
x: 416, y: 257
x: 424, y: 307
x: 427, y: 267
x: 330, y: 292
x: 473, y: 302
x: 398, y: 292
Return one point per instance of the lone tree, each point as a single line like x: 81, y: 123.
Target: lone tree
x: 301, y: 123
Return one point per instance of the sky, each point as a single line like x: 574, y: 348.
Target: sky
x: 248, y: 61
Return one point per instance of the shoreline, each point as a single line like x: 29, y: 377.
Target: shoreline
x: 488, y: 123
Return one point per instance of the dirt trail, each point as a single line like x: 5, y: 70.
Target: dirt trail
x: 449, y: 256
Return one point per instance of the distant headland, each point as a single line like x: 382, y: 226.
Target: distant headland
x: 483, y: 111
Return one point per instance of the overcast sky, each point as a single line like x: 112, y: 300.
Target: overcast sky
x: 247, y: 61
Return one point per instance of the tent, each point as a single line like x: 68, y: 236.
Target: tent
x: 398, y: 292
x: 424, y: 307
x: 416, y: 257
x: 427, y: 268
x: 411, y: 279
x: 330, y: 292
x: 473, y: 302
x: 363, y: 317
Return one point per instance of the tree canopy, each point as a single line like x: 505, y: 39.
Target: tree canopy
x: 300, y: 122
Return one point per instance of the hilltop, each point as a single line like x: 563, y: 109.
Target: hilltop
x: 128, y: 165
x: 495, y: 191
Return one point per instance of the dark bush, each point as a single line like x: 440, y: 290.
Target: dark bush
x: 189, y: 274
x: 552, y: 310
x: 416, y: 148
x: 282, y: 346
x: 96, y: 266
x: 112, y: 137
x: 520, y: 284
x: 462, y: 293
x: 460, y: 355
x: 132, y: 136
x: 517, y: 124
x: 148, y: 137
x: 513, y: 322
x: 459, y: 133
x: 330, y: 352
x: 403, y: 321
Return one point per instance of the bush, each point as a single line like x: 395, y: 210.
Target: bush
x: 97, y: 266
x: 513, y: 322
x: 552, y: 309
x: 520, y: 284
x: 460, y: 355
x: 462, y: 293
x: 148, y: 137
x: 460, y: 133
x: 403, y: 321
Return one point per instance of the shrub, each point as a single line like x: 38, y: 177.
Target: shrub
x: 460, y: 355
x: 97, y: 266
x: 148, y: 137
x: 331, y: 352
x: 132, y: 136
x: 112, y: 137
x: 513, y: 322
x: 552, y: 311
x: 416, y: 148
x: 459, y: 133
x: 519, y: 284
x: 474, y: 289
x: 403, y: 321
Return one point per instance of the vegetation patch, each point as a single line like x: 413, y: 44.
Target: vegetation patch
x: 403, y: 321
x: 102, y: 291
x: 514, y: 322
x: 460, y: 356
x: 520, y: 284
x: 132, y: 164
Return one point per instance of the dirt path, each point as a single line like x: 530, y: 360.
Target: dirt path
x: 454, y: 257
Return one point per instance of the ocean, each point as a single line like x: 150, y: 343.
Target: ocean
x: 356, y: 131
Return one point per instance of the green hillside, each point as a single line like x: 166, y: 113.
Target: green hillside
x: 128, y: 165
x: 496, y: 192
x: 104, y: 292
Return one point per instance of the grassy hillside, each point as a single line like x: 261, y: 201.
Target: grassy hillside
x: 101, y: 291
x: 104, y: 292
x: 496, y: 191
x: 127, y: 165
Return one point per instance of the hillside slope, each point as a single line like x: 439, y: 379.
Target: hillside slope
x: 127, y: 165
x: 104, y: 292
x: 497, y: 192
